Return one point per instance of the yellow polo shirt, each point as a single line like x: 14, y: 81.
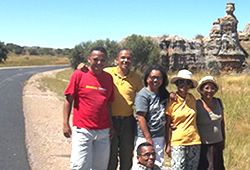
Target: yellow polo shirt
x: 183, y: 115
x: 125, y: 91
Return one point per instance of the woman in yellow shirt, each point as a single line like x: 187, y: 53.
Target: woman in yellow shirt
x: 184, y: 142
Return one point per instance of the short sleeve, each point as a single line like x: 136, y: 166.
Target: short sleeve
x: 169, y: 108
x: 141, y: 102
x: 72, y: 86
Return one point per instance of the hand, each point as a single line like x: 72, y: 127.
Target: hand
x: 168, y: 151
x: 111, y: 132
x: 172, y: 97
x: 173, y: 126
x: 149, y: 140
x: 82, y: 67
x: 67, y: 131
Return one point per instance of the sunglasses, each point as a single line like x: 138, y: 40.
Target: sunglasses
x: 187, y: 82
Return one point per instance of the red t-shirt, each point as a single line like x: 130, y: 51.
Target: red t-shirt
x: 91, y: 93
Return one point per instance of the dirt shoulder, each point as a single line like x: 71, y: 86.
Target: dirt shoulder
x: 47, y: 148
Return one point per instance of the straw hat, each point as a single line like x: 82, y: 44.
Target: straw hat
x: 186, y: 75
x: 207, y: 79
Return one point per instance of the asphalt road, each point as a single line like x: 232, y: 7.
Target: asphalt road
x: 13, y: 155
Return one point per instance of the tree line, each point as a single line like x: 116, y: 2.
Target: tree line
x: 145, y: 50
x: 5, y: 49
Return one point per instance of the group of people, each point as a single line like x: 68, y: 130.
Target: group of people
x: 105, y: 129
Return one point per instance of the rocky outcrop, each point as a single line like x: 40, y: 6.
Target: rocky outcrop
x: 222, y: 46
x: 224, y: 43
x: 244, y: 38
x: 245, y: 34
x: 179, y: 53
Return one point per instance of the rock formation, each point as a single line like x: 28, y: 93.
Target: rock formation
x: 244, y: 38
x: 245, y: 34
x: 222, y: 45
x: 178, y: 53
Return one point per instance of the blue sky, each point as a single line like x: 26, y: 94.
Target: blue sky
x: 66, y: 23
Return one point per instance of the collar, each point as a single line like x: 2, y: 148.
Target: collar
x: 116, y: 72
x: 142, y: 167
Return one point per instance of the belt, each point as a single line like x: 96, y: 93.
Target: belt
x: 120, y: 117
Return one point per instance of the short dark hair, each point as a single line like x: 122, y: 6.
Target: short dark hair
x: 139, y: 148
x: 99, y: 48
x: 164, y: 94
x: 127, y: 49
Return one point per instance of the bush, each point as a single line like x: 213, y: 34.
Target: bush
x: 80, y: 53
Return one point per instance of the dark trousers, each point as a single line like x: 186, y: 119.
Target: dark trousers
x: 122, y: 143
x: 211, y: 157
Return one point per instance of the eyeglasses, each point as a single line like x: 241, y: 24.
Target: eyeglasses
x: 187, y: 82
x: 96, y: 60
x: 147, y: 155
x: 155, y: 77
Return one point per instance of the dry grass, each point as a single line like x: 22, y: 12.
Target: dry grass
x: 235, y: 94
x: 31, y: 60
x: 59, y: 83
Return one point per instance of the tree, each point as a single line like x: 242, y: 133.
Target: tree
x: 33, y: 51
x: 110, y: 45
x: 199, y: 37
x: 17, y: 49
x: 80, y: 53
x: 46, y: 51
x: 77, y: 55
x: 3, y: 52
x: 59, y: 51
x: 143, y: 48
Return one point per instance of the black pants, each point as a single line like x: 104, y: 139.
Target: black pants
x: 122, y: 143
x: 211, y: 157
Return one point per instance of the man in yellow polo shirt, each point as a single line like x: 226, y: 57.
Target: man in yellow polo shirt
x: 127, y: 84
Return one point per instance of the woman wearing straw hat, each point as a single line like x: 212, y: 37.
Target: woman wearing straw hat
x: 184, y: 142
x: 210, y: 123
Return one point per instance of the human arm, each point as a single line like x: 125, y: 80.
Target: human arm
x: 83, y: 67
x: 168, y: 135
x: 111, y: 131
x: 66, y: 115
x: 143, y: 125
x: 223, y: 130
x: 222, y: 124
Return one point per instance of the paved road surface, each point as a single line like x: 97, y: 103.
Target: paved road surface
x: 13, y: 155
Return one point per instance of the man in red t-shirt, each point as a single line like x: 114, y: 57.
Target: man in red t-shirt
x: 92, y: 93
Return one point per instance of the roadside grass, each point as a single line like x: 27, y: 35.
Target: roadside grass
x: 32, y: 60
x: 235, y: 94
x: 58, y: 83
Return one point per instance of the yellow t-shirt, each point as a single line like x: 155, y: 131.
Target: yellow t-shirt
x: 125, y: 91
x: 183, y: 115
